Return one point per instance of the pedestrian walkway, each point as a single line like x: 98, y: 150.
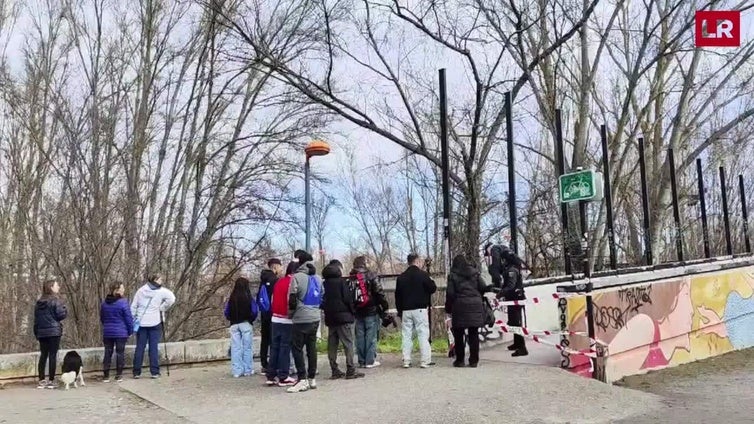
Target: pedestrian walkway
x: 499, y: 391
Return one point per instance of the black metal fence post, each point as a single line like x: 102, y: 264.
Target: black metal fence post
x: 676, y: 209
x: 512, y: 213
x: 563, y: 207
x: 445, y: 168
x: 726, y: 218
x: 645, y: 203
x: 703, y: 208
x: 744, y: 213
x: 608, y: 199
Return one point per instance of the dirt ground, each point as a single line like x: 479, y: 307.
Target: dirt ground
x: 718, y: 389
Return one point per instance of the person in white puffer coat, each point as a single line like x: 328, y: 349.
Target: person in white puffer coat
x: 150, y: 301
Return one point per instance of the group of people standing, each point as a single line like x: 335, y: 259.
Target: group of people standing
x: 290, y: 302
x: 143, y: 316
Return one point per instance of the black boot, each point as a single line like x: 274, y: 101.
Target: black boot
x: 353, y: 374
x: 513, y: 346
x: 458, y: 364
x: 521, y: 352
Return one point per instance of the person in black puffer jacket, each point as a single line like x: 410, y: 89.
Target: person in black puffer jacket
x: 464, y: 303
x: 48, y: 314
x: 338, y: 307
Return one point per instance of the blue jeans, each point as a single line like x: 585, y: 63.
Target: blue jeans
x: 152, y: 336
x: 367, y: 330
x: 241, y: 344
x: 280, y: 351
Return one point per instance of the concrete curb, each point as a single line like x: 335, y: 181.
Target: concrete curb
x: 20, y: 367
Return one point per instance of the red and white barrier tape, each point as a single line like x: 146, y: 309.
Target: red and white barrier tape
x: 591, y: 353
x: 526, y: 332
x: 535, y: 300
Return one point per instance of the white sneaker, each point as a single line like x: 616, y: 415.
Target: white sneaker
x: 312, y: 383
x: 407, y: 365
x: 301, y: 386
x: 427, y: 364
x: 374, y: 365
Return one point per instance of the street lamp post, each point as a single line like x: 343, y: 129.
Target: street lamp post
x: 315, y: 148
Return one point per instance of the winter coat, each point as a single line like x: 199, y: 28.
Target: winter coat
x: 463, y: 299
x: 115, y: 316
x: 413, y: 290
x: 280, y: 300
x: 299, y: 312
x: 266, y: 279
x: 377, y: 304
x: 337, y: 303
x: 48, y: 312
x: 149, y: 313
x: 238, y: 313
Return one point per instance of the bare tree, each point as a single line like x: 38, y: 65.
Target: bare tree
x: 130, y: 142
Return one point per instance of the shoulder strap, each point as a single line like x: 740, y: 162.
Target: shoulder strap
x: 145, y: 308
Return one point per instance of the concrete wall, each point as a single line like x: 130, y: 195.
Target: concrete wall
x: 20, y: 366
x: 667, y: 322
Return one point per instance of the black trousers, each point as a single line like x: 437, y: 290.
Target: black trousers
x: 48, y: 355
x: 119, y: 345
x: 264, y: 347
x: 305, y: 335
x: 460, y: 344
x: 515, y: 319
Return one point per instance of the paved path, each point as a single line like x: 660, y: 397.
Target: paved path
x: 713, y: 390
x: 500, y: 390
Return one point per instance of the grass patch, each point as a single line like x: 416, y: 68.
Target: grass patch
x: 390, y: 342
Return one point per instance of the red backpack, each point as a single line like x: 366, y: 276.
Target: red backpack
x: 360, y: 289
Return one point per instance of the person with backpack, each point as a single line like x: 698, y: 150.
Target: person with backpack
x: 117, y: 327
x: 413, y: 298
x: 278, y: 368
x: 304, y: 301
x: 241, y: 310
x: 505, y: 269
x: 49, y: 311
x: 266, y: 286
x: 371, y: 304
x: 147, y: 307
x: 338, y: 307
x: 465, y: 303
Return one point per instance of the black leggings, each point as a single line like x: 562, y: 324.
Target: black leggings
x: 460, y: 344
x: 48, y: 352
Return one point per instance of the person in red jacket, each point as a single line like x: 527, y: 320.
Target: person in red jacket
x: 282, y: 330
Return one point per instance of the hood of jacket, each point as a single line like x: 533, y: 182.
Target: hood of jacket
x: 44, y: 303
x: 110, y: 299
x: 332, y: 271
x: 307, y: 268
x: 268, y: 276
x: 369, y: 274
x: 467, y: 272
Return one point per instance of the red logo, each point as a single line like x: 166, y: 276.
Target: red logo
x: 718, y: 28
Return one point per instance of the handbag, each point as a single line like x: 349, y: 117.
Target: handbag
x: 489, y: 313
x: 137, y: 319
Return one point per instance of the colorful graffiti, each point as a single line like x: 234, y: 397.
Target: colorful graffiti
x: 670, y: 322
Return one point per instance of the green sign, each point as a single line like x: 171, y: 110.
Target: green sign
x: 581, y: 185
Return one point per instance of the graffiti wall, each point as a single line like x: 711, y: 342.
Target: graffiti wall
x: 667, y: 323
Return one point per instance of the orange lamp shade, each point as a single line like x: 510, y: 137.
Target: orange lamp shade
x: 317, y: 148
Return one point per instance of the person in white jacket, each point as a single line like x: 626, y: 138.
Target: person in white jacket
x: 150, y: 301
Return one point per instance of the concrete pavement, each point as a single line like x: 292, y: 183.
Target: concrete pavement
x: 500, y: 390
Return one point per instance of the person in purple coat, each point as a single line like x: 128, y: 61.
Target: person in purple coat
x: 117, y: 326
